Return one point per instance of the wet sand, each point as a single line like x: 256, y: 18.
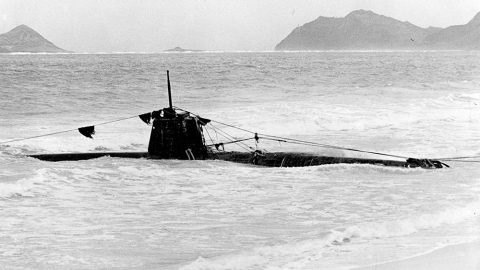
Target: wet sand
x: 461, y: 256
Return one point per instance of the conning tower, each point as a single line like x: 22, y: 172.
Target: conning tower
x: 176, y: 135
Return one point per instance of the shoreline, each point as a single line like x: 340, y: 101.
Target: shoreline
x: 463, y: 256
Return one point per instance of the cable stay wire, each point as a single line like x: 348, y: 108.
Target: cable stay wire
x: 38, y: 136
x: 460, y: 160
x: 208, y: 133
x: 456, y: 158
x: 241, y: 144
x: 215, y: 121
x: 331, y: 146
x: 237, y: 141
x: 221, y: 133
x: 223, y: 143
x: 65, y: 131
x: 289, y: 140
x: 231, y: 138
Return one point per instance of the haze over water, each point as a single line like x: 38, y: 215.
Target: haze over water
x: 167, y: 214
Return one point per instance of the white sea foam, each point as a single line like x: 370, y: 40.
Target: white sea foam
x: 23, y: 187
x: 408, y: 225
x: 299, y: 255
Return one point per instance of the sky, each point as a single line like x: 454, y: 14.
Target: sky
x: 220, y: 25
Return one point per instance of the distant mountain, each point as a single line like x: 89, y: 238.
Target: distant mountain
x: 24, y: 39
x: 457, y: 37
x: 365, y: 30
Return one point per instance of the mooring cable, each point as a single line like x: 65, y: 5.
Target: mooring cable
x: 65, y: 131
x: 237, y: 141
x: 456, y: 158
x: 245, y: 146
x: 226, y: 135
x: 208, y: 133
x: 38, y: 136
x: 289, y: 140
x: 332, y: 146
x: 459, y: 160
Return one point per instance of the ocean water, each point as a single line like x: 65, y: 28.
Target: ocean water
x: 113, y: 213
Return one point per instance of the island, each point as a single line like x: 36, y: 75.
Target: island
x: 178, y: 49
x: 24, y: 39
x: 366, y: 30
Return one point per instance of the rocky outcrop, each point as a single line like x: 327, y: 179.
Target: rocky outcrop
x: 178, y: 49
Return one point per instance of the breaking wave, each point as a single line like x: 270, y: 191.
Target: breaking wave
x: 23, y: 187
x: 301, y: 254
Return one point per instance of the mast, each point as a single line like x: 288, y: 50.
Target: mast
x: 169, y: 91
x: 175, y: 136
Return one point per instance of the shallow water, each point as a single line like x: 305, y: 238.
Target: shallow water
x: 153, y: 214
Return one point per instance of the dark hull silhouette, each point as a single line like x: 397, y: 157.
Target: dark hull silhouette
x: 178, y: 134
x: 279, y: 159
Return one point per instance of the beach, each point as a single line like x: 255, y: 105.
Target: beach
x: 460, y: 256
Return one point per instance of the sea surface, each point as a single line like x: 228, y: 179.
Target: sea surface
x: 113, y: 213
